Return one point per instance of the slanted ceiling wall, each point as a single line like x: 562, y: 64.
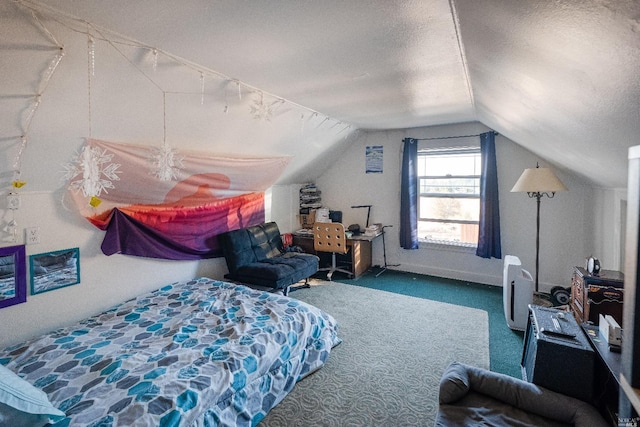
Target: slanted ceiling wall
x: 566, y: 219
x: 125, y: 106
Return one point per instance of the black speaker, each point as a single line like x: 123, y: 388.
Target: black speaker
x: 557, y: 354
x: 335, y: 216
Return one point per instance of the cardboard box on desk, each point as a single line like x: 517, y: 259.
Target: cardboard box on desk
x: 307, y: 220
x: 610, y: 330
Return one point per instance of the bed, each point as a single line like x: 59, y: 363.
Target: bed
x: 194, y: 353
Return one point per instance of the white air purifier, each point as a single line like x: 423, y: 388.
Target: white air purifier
x: 517, y: 293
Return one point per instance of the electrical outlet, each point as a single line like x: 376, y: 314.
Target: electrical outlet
x: 13, y: 201
x: 32, y: 235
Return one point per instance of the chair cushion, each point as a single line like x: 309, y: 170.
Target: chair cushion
x: 266, y: 241
x: 237, y: 249
x: 278, y: 272
x: 251, y: 244
x: 255, y: 255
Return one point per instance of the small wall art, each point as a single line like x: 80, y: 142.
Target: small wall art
x: 374, y: 158
x: 54, y: 270
x: 13, y: 276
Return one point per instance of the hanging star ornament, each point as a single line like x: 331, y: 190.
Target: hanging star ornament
x: 166, y: 163
x: 95, y: 171
x: 261, y: 111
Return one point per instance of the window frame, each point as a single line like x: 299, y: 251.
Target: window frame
x: 428, y: 151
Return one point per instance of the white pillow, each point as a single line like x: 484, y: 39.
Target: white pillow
x: 22, y: 404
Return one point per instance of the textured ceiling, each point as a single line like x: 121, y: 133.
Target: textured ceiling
x: 557, y: 77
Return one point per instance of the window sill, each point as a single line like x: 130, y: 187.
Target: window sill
x: 448, y: 246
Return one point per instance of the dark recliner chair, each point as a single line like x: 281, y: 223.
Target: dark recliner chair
x: 256, y: 256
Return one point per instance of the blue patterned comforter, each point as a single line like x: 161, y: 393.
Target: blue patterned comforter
x: 194, y: 353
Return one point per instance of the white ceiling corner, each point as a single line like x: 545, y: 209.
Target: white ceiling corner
x: 559, y: 78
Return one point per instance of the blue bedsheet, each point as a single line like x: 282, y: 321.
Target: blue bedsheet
x: 194, y: 353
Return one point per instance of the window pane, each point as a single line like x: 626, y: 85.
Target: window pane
x: 448, y: 232
x: 449, y: 200
x: 444, y: 208
x: 449, y: 164
x: 447, y: 185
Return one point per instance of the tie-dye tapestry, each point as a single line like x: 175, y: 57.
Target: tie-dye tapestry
x: 164, y: 203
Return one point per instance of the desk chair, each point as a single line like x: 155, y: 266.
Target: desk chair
x: 330, y: 237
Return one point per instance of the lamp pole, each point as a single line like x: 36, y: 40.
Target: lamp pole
x: 538, y: 195
x: 537, y: 182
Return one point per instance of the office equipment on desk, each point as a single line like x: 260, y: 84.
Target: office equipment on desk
x: 322, y: 215
x: 330, y: 237
x: 373, y: 229
x: 611, y: 331
x: 360, y: 255
x: 335, y: 216
x: 368, y: 211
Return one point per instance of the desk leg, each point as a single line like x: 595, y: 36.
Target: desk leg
x: 360, y: 257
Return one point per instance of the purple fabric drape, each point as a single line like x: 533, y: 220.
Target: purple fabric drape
x: 126, y: 235
x: 177, y: 218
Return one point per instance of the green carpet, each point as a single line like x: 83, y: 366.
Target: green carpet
x: 388, y: 367
x: 505, y: 345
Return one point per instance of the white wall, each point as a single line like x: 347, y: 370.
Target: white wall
x: 610, y: 208
x: 566, y: 219
x: 125, y: 107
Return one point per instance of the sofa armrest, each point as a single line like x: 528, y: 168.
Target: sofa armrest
x: 459, y: 379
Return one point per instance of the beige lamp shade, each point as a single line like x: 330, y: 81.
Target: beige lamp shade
x: 538, y: 180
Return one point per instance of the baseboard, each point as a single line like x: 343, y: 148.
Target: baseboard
x: 452, y: 274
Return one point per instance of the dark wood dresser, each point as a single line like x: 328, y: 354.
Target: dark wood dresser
x: 594, y: 295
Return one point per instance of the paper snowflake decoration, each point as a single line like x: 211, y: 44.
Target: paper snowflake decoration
x: 261, y: 111
x: 95, y: 171
x: 166, y: 163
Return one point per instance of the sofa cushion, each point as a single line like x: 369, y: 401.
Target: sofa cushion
x: 265, y: 241
x: 237, y: 249
x: 255, y: 255
x: 278, y: 272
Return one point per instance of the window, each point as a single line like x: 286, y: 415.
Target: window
x: 449, y: 198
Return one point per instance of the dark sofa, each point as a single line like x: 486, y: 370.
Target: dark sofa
x: 471, y: 396
x: 256, y: 256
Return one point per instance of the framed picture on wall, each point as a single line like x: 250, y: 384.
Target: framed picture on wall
x: 54, y: 270
x: 13, y: 276
x: 374, y: 158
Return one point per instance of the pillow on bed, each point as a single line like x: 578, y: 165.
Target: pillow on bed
x: 22, y: 404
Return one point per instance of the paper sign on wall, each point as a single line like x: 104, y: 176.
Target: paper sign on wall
x: 374, y: 159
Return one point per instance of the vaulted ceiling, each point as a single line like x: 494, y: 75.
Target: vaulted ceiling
x: 558, y: 77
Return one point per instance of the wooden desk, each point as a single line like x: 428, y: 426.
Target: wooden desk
x: 607, y: 374
x: 361, y: 251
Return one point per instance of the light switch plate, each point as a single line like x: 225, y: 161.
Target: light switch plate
x: 32, y: 235
x: 13, y: 201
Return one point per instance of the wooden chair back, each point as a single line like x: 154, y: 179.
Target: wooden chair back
x: 329, y: 237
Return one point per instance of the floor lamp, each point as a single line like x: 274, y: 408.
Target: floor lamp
x: 538, y: 182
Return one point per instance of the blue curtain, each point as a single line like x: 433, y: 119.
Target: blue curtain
x: 409, y: 195
x: 489, y: 233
